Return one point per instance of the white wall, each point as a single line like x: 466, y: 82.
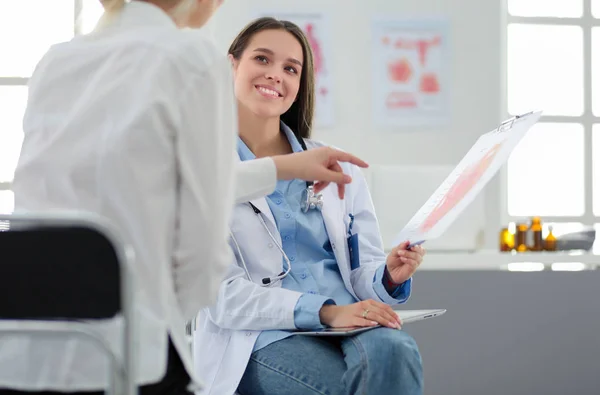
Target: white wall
x: 475, y: 68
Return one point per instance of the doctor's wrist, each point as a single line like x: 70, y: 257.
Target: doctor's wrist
x: 327, y: 314
x: 388, y: 281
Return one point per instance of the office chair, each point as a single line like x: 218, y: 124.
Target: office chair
x: 60, y: 272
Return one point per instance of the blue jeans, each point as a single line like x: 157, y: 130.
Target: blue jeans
x: 380, y: 361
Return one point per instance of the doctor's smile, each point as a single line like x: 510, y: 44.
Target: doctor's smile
x: 268, y: 91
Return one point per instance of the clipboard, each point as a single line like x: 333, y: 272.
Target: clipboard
x: 481, y: 163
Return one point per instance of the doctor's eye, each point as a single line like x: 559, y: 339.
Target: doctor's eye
x: 291, y: 69
x: 261, y: 58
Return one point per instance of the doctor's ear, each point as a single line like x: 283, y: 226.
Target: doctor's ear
x: 234, y: 62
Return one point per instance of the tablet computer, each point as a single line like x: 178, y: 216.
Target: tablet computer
x: 406, y: 316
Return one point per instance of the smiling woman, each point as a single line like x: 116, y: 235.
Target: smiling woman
x: 274, y: 57
x: 336, y: 272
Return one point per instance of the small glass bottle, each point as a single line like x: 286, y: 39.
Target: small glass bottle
x: 550, y: 242
x: 507, y: 240
x: 537, y: 241
x: 521, y: 238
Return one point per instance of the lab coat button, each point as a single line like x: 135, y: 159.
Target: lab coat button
x: 249, y: 334
x: 278, y: 201
x: 287, y: 215
x: 333, y: 246
x: 270, y: 245
x: 303, y: 275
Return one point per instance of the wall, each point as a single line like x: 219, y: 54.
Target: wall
x: 508, y: 333
x: 475, y: 67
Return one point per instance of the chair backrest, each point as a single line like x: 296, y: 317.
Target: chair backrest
x: 58, y: 272
x: 67, y: 267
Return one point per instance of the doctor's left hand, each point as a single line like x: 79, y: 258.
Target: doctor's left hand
x: 402, y: 263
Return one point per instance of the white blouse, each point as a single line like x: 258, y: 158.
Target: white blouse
x: 136, y: 122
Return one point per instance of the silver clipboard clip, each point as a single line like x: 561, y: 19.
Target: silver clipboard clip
x: 508, y: 124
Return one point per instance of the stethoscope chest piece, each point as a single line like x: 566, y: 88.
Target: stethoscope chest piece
x: 311, y: 200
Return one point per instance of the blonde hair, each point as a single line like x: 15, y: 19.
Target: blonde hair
x: 112, y: 6
x: 180, y: 7
x: 183, y: 7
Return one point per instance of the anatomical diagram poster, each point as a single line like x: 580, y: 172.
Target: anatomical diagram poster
x: 485, y: 158
x: 316, y: 27
x: 410, y: 71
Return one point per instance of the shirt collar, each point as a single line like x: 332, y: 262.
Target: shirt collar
x: 136, y: 14
x: 296, y: 147
x: 245, y: 153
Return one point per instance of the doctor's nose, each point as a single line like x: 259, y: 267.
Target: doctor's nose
x: 273, y: 77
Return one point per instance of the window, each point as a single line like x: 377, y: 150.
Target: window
x: 545, y: 8
x: 596, y: 8
x: 539, y: 174
x: 91, y: 12
x: 596, y: 70
x: 553, y: 64
x: 12, y: 102
x: 545, y: 69
x: 27, y: 29
x: 7, y: 202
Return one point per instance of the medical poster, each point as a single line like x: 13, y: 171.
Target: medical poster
x: 410, y: 72
x: 316, y: 26
x: 467, y: 180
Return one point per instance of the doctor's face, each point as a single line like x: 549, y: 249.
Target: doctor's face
x: 267, y: 75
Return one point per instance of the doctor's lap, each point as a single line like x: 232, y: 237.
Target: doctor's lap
x: 378, y: 361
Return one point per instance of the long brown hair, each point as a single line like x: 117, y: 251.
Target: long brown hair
x: 300, y: 115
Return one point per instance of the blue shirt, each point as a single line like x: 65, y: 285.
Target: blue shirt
x: 304, y: 239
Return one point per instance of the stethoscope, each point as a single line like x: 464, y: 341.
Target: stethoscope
x: 310, y: 201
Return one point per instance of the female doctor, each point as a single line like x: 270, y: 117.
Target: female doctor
x: 137, y: 122
x: 298, y: 267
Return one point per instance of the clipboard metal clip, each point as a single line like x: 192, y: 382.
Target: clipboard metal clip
x: 508, y: 124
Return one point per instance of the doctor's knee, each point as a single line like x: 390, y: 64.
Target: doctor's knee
x: 394, y: 348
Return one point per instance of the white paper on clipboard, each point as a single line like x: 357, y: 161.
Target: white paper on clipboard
x: 467, y: 180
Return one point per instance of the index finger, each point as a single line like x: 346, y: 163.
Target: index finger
x: 341, y: 186
x: 403, y: 246
x: 342, y: 156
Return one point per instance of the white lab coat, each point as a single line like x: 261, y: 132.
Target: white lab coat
x: 137, y: 123
x: 226, y: 332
